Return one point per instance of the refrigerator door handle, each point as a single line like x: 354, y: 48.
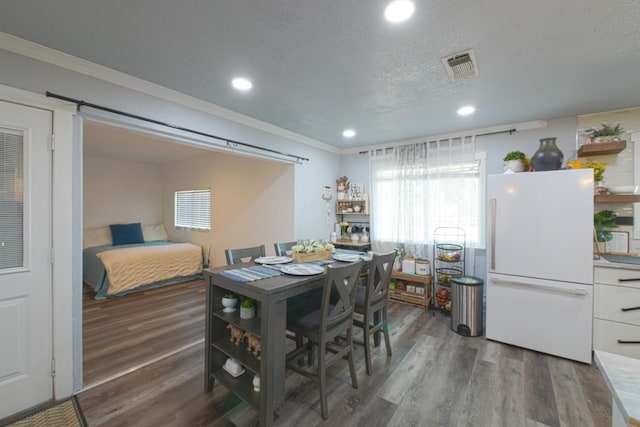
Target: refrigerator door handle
x: 580, y: 292
x: 493, y: 234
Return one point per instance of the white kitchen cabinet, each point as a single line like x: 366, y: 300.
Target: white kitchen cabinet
x: 616, y: 310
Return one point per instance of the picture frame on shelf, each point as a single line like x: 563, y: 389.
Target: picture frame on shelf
x: 619, y: 242
x: 356, y: 191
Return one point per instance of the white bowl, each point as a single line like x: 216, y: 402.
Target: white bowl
x: 232, y: 366
x: 623, y: 189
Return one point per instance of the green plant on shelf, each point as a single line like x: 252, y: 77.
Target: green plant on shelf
x: 247, y: 303
x: 604, y: 222
x: 605, y: 130
x: 514, y: 155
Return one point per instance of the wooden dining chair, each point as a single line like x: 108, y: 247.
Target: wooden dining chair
x: 238, y: 256
x: 320, y: 325
x: 282, y: 248
x: 371, y: 303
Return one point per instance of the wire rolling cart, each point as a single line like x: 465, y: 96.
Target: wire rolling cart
x: 448, y: 262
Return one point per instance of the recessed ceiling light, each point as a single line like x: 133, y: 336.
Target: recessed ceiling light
x: 399, y: 10
x: 241, y: 83
x: 465, y: 111
x: 349, y: 133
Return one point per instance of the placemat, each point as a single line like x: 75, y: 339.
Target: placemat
x: 249, y: 274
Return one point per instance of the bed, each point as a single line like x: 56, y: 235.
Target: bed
x: 114, y: 266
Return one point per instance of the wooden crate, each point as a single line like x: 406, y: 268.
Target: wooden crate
x: 311, y: 256
x: 412, y: 298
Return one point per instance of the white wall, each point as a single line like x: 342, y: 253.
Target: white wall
x: 252, y: 201
x: 121, y: 191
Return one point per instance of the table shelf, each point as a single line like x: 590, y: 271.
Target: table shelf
x: 249, y: 325
x: 242, y: 386
x: 240, y: 353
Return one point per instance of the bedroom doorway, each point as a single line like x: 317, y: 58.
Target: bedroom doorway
x: 26, y: 353
x: 131, y: 175
x: 122, y: 184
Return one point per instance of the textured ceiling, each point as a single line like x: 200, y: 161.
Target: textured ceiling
x: 321, y: 66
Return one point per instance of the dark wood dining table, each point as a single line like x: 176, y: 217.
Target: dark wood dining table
x: 269, y: 325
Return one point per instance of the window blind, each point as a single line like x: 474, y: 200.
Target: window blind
x: 193, y: 209
x: 11, y: 199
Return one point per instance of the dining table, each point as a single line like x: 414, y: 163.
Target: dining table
x: 270, y: 290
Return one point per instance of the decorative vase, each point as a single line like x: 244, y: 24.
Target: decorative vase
x: 247, y: 312
x: 229, y: 304
x: 256, y: 383
x: 548, y: 157
x: 341, y: 195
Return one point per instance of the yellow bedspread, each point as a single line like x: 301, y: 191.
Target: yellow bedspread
x: 129, y: 268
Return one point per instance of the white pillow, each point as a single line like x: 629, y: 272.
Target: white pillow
x: 96, y: 237
x: 154, y: 233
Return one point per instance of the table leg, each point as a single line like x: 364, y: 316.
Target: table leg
x: 272, y: 374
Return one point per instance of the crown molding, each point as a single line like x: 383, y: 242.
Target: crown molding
x: 60, y: 59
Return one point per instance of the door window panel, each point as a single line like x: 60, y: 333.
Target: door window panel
x: 11, y: 199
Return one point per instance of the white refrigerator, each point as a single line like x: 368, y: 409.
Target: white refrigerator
x: 539, y: 292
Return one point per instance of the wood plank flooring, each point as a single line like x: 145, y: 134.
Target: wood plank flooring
x: 434, y: 378
x: 122, y: 333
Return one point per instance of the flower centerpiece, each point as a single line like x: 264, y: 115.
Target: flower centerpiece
x: 313, y: 251
x: 342, y: 185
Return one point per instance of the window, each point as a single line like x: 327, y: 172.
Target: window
x: 420, y: 187
x: 193, y: 209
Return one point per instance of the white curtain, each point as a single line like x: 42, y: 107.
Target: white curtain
x: 419, y: 187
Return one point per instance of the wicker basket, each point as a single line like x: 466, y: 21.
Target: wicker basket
x: 311, y: 256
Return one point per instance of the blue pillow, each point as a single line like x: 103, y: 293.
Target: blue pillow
x: 123, y: 234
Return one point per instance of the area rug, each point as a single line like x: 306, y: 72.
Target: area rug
x: 66, y: 413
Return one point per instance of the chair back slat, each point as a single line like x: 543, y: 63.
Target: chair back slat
x: 379, y: 275
x: 282, y: 248
x: 238, y: 256
x: 338, y: 297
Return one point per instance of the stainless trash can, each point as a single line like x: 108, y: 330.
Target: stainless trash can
x: 466, y: 305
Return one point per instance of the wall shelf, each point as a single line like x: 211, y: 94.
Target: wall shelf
x: 601, y: 148
x: 617, y: 198
x: 357, y: 206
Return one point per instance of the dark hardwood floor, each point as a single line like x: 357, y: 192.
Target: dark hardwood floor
x: 123, y: 333
x: 434, y: 378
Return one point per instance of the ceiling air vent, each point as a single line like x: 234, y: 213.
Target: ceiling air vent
x: 461, y: 65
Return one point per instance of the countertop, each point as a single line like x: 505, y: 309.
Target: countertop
x: 622, y: 375
x: 602, y: 262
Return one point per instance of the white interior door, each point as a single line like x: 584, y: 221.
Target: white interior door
x: 25, y: 258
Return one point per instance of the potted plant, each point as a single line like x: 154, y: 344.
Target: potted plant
x: 606, y: 133
x: 229, y: 301
x: 604, y: 222
x: 247, y: 308
x: 514, y: 161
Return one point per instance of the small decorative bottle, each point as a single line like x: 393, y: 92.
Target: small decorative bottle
x: 548, y: 157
